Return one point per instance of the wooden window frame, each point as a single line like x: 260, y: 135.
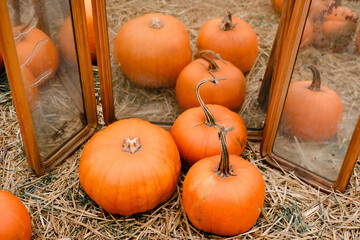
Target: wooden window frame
x: 281, y: 81
x: 11, y: 61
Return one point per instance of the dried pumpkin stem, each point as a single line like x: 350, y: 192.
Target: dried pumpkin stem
x: 131, y: 145
x: 209, y: 118
x: 213, y: 66
x: 226, y: 23
x: 224, y: 169
x: 316, y: 82
x: 156, y: 23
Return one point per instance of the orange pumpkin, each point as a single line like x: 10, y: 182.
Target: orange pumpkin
x: 37, y: 52
x: 231, y: 37
x: 152, y: 49
x: 229, y: 93
x: 195, y: 134
x: 67, y: 43
x: 31, y: 89
x: 312, y: 112
x: 130, y: 167
x: 90, y: 29
x: 15, y: 220
x: 307, y: 34
x: 223, y: 194
x: 277, y: 5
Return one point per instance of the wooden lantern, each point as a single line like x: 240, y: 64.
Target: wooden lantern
x: 47, y: 59
x: 123, y: 98
x: 313, y: 128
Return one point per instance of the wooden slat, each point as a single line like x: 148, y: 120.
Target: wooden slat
x: 11, y: 61
x: 350, y: 159
x: 103, y: 60
x: 84, y: 61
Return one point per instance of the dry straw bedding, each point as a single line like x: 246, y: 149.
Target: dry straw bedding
x: 60, y: 209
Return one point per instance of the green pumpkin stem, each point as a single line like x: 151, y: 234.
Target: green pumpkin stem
x: 226, y: 23
x: 316, y: 82
x: 224, y: 169
x: 213, y: 67
x: 209, y: 118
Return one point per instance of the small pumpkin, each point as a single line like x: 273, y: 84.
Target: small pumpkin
x: 37, y: 52
x: 229, y: 93
x: 223, y: 194
x: 130, y: 167
x: 152, y: 49
x: 277, y: 5
x: 231, y: 37
x: 312, y: 112
x: 194, y: 131
x: 335, y: 27
x: 15, y: 220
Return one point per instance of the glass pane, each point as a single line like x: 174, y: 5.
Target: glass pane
x: 319, y: 116
x: 45, y: 47
x: 159, y: 104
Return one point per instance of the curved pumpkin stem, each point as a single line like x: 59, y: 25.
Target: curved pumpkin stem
x: 226, y: 23
x: 213, y: 67
x: 209, y: 118
x: 316, y: 82
x: 224, y: 169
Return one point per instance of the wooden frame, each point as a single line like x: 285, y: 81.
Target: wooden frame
x: 277, y: 101
x: 18, y: 91
x: 104, y: 66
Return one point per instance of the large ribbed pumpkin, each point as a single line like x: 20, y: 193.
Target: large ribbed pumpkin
x: 15, y: 220
x: 130, y: 167
x: 152, y: 50
x: 231, y: 37
x: 312, y: 112
x: 223, y: 194
x: 229, y: 93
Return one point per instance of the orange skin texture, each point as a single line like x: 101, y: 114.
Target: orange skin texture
x: 37, y: 52
x: 229, y: 93
x: 196, y: 141
x: 1, y: 63
x: 223, y: 206
x: 238, y: 46
x: 67, y: 43
x: 15, y: 220
x: 90, y: 28
x: 125, y: 183
x: 307, y: 34
x: 310, y: 115
x: 277, y: 4
x: 31, y: 90
x: 152, y: 57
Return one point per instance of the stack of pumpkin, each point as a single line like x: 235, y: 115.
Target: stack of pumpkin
x: 329, y: 25
x: 132, y: 165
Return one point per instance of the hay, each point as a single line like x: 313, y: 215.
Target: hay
x: 60, y: 209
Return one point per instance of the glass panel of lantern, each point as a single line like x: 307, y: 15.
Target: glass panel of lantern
x: 314, y: 115
x: 147, y: 50
x: 50, y: 79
